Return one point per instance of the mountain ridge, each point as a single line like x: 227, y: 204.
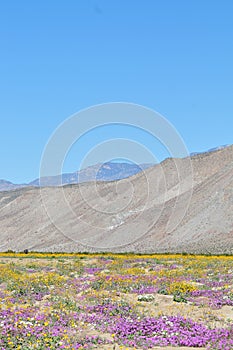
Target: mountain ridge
x: 93, y: 173
x: 109, y: 171
x: 130, y: 214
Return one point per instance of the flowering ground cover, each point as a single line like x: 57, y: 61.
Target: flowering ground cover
x: 109, y: 301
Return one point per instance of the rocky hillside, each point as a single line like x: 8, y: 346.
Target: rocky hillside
x: 147, y: 212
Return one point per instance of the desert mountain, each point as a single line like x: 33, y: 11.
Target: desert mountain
x: 8, y: 186
x: 180, y: 205
x: 108, y: 171
x: 218, y: 148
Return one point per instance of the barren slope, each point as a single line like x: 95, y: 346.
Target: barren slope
x: 131, y: 214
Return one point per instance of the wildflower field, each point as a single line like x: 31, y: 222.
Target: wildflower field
x: 108, y: 301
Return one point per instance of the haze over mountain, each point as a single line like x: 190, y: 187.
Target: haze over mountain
x: 131, y: 214
x: 108, y: 171
x: 8, y: 186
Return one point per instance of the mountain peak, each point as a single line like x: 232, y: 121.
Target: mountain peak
x: 108, y: 171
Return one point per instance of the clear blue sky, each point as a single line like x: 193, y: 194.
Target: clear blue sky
x: 58, y: 57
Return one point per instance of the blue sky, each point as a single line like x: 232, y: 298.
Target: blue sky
x: 58, y: 57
